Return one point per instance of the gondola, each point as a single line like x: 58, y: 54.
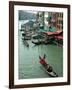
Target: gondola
x: 37, y: 42
x: 48, y: 68
x: 26, y: 43
x: 26, y: 38
x: 41, y: 42
x: 52, y: 73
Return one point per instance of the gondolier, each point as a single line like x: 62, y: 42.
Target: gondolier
x: 42, y: 60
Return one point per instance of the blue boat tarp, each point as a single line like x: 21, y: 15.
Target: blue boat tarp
x: 43, y: 30
x: 52, y: 29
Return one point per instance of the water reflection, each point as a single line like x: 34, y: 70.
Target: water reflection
x: 29, y: 66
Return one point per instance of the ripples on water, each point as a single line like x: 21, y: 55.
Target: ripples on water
x: 29, y: 66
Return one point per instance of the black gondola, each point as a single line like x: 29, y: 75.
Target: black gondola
x: 47, y: 67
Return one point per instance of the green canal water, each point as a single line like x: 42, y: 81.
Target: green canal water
x: 29, y: 66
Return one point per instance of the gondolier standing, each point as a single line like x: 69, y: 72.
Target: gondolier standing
x: 44, y: 63
x: 42, y: 60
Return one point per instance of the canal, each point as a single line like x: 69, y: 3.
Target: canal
x: 28, y: 62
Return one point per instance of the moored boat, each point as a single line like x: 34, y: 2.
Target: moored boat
x: 37, y: 42
x: 26, y: 43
